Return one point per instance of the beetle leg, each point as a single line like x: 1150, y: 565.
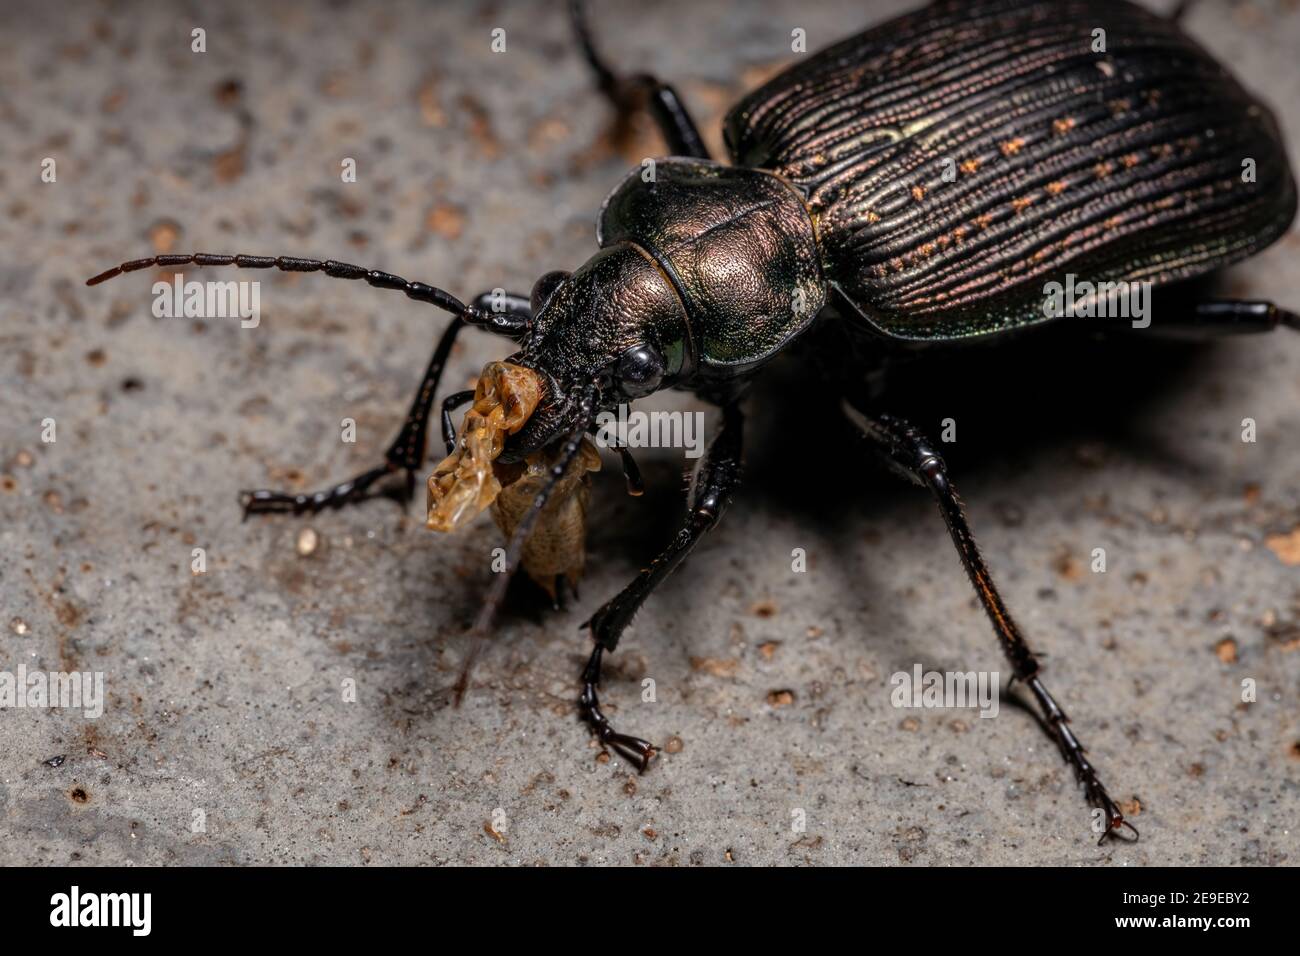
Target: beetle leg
x: 910, y: 454
x: 406, y: 454
x: 1231, y: 317
x: 450, y: 404
x: 629, y: 92
x: 714, y: 482
x: 1180, y: 316
x: 634, y: 749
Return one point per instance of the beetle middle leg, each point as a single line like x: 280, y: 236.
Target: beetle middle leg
x: 911, y: 455
x: 406, y: 453
x: 715, y: 480
x: 627, y: 92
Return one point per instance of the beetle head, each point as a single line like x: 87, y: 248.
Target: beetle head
x: 618, y: 322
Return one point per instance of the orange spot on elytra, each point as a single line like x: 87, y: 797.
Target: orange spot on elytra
x: 1012, y: 146
x: 970, y: 166
x: 1064, y: 125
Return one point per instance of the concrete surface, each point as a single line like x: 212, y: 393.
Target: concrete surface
x: 476, y: 169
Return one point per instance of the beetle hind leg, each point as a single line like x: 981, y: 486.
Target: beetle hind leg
x: 1225, y: 317
x: 1074, y: 752
x: 910, y: 454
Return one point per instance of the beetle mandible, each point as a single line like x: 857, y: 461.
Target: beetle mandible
x: 925, y: 183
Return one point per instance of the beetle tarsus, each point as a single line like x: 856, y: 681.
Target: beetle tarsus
x: 265, y: 501
x: 1074, y: 752
x: 633, y: 749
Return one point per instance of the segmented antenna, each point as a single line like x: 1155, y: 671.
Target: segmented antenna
x: 504, y: 323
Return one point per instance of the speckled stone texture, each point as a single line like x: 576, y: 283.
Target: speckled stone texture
x: 225, y: 702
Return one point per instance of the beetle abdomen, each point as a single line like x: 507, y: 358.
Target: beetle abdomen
x: 959, y: 158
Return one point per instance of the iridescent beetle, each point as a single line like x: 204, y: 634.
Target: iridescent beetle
x: 924, y: 183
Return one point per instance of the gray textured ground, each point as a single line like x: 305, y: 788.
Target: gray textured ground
x: 478, y: 170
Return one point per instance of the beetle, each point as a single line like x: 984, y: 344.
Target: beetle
x: 922, y: 185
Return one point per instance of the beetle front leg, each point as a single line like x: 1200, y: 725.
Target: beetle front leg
x: 406, y: 453
x: 911, y: 455
x: 715, y: 480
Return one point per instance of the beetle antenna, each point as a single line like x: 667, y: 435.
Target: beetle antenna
x: 496, y: 596
x: 503, y: 322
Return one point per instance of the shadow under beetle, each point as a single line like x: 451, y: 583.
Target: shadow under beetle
x: 920, y: 184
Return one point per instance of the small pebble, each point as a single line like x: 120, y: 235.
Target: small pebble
x: 308, y: 540
x: 780, y: 698
x: 19, y: 626
x: 1227, y: 650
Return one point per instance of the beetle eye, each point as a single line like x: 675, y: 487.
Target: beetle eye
x: 544, y: 288
x: 639, y: 371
